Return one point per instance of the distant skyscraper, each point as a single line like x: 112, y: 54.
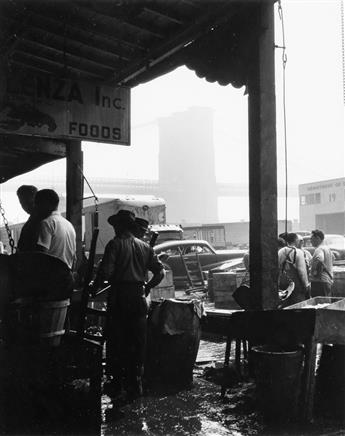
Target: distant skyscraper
x: 187, y: 166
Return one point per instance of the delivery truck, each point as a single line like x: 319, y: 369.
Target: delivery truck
x: 149, y: 207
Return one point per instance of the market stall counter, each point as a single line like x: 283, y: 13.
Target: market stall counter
x: 318, y: 320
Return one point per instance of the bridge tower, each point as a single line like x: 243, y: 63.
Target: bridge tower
x: 187, y: 176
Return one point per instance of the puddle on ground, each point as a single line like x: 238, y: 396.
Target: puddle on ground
x: 211, y: 351
x: 200, y: 410
x: 196, y: 411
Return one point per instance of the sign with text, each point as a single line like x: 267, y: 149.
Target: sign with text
x: 48, y: 106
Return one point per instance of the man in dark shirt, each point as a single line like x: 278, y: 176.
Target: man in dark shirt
x: 29, y: 234
x: 125, y: 264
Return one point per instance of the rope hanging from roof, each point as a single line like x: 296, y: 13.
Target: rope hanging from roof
x: 284, y: 62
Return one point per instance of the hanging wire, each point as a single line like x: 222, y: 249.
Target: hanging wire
x: 284, y: 62
x: 94, y: 196
x: 88, y: 184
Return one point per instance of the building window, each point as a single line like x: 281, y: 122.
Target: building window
x: 332, y: 197
x: 310, y: 199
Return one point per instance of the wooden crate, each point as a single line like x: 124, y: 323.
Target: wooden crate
x: 165, y: 289
x: 224, y: 285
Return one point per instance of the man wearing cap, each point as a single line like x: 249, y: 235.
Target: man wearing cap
x: 141, y: 227
x: 125, y: 264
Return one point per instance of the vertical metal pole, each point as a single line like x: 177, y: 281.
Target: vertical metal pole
x: 74, y: 190
x: 263, y: 161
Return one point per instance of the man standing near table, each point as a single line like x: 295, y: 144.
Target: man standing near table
x: 321, y: 268
x: 125, y: 264
x: 57, y: 238
x: 292, y: 263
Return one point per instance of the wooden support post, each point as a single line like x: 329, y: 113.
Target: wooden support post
x: 74, y: 190
x: 262, y: 161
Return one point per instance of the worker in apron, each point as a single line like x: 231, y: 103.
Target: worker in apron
x: 125, y: 264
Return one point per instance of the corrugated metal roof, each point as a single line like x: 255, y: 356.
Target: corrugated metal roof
x: 113, y: 41
x: 127, y: 42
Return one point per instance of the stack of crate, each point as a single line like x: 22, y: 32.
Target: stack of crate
x: 165, y: 289
x: 224, y: 285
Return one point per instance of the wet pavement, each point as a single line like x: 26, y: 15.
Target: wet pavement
x: 197, y: 410
x: 200, y: 410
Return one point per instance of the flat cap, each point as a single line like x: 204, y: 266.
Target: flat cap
x: 142, y: 223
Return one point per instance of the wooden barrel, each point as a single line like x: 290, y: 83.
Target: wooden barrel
x: 52, y: 321
x: 173, y: 339
x: 32, y: 322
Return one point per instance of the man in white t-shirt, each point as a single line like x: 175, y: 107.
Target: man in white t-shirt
x: 56, y: 235
x: 321, y: 272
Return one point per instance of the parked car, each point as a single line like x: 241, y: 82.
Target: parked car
x: 335, y: 242
x: 209, y: 258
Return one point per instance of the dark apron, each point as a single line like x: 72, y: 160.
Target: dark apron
x: 126, y: 331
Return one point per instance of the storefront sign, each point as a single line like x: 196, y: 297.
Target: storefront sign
x: 48, y: 106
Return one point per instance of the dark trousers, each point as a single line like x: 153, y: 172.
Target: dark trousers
x: 126, y: 332
x: 321, y: 289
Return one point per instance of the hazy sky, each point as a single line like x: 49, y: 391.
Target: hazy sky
x: 315, y: 114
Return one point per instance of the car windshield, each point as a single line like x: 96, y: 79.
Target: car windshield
x: 335, y: 241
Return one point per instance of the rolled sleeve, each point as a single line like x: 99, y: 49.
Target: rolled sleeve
x: 45, y: 235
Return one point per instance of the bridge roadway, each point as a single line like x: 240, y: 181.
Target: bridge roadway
x: 105, y: 185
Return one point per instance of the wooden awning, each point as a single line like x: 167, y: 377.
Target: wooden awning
x: 121, y: 42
